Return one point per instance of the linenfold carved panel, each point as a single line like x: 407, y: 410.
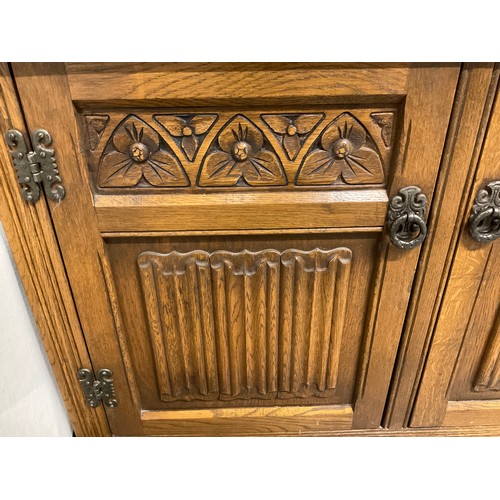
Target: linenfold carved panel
x: 253, y: 149
x: 246, y: 325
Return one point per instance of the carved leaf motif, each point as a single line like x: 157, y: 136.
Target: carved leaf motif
x: 385, y: 122
x: 135, y: 151
x: 188, y: 131
x: 238, y: 154
x: 292, y: 130
x: 345, y: 151
x: 95, y: 127
x: 291, y: 143
x: 190, y: 146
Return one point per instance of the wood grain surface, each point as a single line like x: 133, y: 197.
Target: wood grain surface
x: 241, y: 211
x: 79, y: 240
x: 429, y: 100
x: 36, y: 253
x: 409, y: 118
x: 471, y: 110
x: 468, y: 311
x: 202, y: 84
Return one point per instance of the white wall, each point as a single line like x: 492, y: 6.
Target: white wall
x: 30, y: 404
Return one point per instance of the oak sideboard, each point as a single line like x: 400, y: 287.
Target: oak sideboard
x: 226, y: 249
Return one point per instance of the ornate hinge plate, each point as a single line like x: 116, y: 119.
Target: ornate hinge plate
x: 405, y: 220
x: 99, y: 389
x: 35, y: 167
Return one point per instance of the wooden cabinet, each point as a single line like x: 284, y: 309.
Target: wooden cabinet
x: 222, y: 247
x: 461, y: 380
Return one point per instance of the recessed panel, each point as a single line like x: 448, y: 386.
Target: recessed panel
x: 214, y: 322
x: 244, y: 325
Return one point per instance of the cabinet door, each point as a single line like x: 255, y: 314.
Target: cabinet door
x: 223, y: 233
x: 461, y: 380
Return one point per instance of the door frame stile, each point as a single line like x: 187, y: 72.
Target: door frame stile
x: 471, y: 110
x: 35, y: 251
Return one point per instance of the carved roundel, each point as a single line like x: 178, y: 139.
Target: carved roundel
x: 136, y: 155
x: 345, y: 152
x: 241, y: 156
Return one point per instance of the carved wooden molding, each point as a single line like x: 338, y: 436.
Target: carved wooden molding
x: 292, y: 130
x: 95, y: 125
x: 188, y: 131
x: 240, y: 155
x: 135, y: 152
x: 246, y: 325
x: 385, y: 121
x: 346, y: 152
x: 227, y: 150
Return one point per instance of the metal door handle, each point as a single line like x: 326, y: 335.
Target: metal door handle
x: 484, y: 220
x: 405, y: 220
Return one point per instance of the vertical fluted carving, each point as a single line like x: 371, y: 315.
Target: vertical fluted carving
x: 246, y: 286
x: 246, y: 325
x: 313, y: 296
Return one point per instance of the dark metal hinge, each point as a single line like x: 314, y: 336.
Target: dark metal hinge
x: 35, y: 167
x: 99, y: 389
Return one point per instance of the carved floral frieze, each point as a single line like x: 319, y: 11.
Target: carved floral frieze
x: 209, y: 150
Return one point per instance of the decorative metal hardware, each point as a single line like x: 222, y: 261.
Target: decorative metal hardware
x: 405, y: 220
x: 35, y: 167
x: 485, y: 214
x: 101, y: 389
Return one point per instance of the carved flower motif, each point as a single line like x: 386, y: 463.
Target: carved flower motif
x: 347, y: 151
x: 136, y: 152
x: 242, y: 156
x: 188, y: 129
x: 292, y: 130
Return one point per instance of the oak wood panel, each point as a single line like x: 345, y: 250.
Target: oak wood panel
x: 248, y: 421
x: 203, y: 149
x: 143, y: 328
x: 36, y: 254
x: 429, y: 93
x: 429, y: 100
x: 79, y: 240
x: 472, y: 413
x: 312, y: 421
x: 248, y: 324
x: 227, y: 232
x: 195, y: 84
x: 456, y: 326
x: 238, y: 211
x: 471, y: 110
x: 488, y: 376
x: 476, y: 431
x: 475, y: 371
